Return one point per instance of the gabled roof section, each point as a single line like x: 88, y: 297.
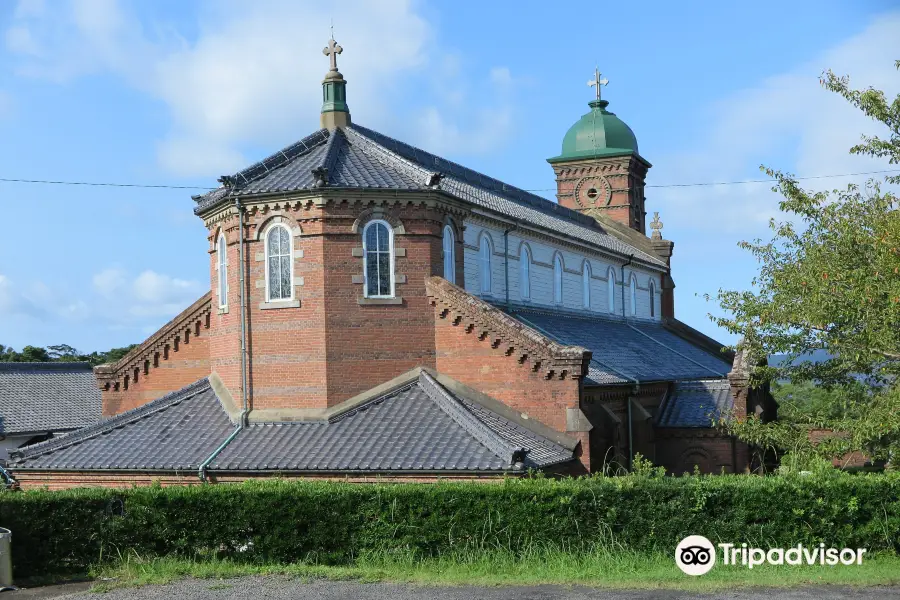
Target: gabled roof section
x: 47, y: 396
x: 417, y: 426
x: 626, y: 351
x: 696, y: 404
x: 360, y: 158
x: 173, y: 433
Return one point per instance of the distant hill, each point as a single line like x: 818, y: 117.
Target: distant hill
x: 776, y: 360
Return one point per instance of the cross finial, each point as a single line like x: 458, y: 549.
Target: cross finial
x: 331, y: 51
x: 656, y: 225
x: 597, y: 82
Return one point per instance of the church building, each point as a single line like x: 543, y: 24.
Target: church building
x: 379, y: 312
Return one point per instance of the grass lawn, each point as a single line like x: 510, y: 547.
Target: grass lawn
x: 601, y: 569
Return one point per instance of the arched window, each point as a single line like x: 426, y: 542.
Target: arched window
x: 557, y: 279
x: 525, y: 272
x: 449, y: 254
x: 652, y: 299
x: 611, y: 290
x: 378, y: 259
x: 279, y: 267
x: 222, y: 258
x: 633, y: 289
x: 586, y: 285
x: 485, y: 251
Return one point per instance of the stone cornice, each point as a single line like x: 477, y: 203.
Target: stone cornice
x: 188, y: 323
x: 517, y: 339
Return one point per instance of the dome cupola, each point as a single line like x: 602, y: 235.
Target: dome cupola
x: 597, y: 133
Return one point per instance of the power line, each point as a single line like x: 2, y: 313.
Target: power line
x: 105, y: 184
x: 671, y: 185
x: 195, y: 187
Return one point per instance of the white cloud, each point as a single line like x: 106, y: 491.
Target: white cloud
x: 15, y: 303
x: 109, y: 282
x: 787, y: 115
x: 154, y: 288
x: 250, y: 77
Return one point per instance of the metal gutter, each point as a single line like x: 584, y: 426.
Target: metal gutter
x: 242, y: 419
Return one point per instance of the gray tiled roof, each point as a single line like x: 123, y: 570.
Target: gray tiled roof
x: 357, y: 157
x: 418, y: 427
x: 48, y: 396
x: 625, y: 351
x: 696, y: 403
x: 173, y: 433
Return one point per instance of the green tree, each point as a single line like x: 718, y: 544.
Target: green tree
x: 829, y: 279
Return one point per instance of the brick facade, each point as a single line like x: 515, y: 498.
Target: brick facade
x: 612, y: 186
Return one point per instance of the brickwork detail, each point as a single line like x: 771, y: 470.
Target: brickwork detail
x: 173, y: 357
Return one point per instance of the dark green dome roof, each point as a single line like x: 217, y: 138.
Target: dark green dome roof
x: 598, y: 133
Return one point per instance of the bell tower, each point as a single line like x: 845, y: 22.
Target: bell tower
x: 599, y: 171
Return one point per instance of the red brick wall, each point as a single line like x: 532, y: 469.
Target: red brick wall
x: 681, y: 449
x: 331, y: 347
x: 462, y: 355
x: 188, y: 364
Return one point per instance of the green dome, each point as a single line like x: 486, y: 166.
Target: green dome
x: 598, y: 133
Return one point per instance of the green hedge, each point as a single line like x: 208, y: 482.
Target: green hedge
x: 330, y: 522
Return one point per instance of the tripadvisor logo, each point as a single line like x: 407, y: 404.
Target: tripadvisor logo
x: 696, y: 555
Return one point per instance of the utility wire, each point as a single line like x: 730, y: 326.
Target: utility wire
x: 671, y: 185
x: 104, y: 184
x: 194, y: 187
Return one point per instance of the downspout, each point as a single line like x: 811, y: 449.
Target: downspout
x: 630, y: 426
x: 630, y: 259
x: 506, y: 259
x: 242, y: 418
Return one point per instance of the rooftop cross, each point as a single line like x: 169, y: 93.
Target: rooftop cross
x: 597, y: 82
x: 331, y: 51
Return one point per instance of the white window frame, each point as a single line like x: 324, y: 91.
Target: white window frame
x: 485, y: 265
x: 290, y: 233
x: 525, y: 272
x: 558, y: 269
x: 390, y: 231
x: 652, y: 299
x: 611, y: 290
x: 448, y: 246
x: 632, y: 284
x: 586, y: 273
x: 222, y: 270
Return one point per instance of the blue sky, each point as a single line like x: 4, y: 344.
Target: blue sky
x: 172, y: 92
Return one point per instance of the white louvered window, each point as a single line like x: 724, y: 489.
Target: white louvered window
x: 449, y: 246
x: 378, y: 259
x: 652, y: 299
x: 586, y: 285
x: 633, y: 290
x: 611, y: 290
x: 525, y: 272
x: 222, y: 259
x: 279, y: 264
x: 557, y: 279
x: 485, y: 250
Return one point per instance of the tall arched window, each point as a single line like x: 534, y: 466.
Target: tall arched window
x: 279, y: 267
x: 449, y: 254
x: 586, y: 285
x: 222, y: 258
x: 378, y: 259
x: 525, y: 272
x: 611, y: 290
x: 557, y: 279
x: 652, y: 299
x: 633, y: 289
x: 485, y: 251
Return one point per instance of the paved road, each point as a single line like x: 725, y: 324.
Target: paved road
x: 284, y: 588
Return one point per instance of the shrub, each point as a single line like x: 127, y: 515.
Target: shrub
x: 333, y: 522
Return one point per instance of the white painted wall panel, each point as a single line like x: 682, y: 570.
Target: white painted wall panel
x: 542, y: 255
